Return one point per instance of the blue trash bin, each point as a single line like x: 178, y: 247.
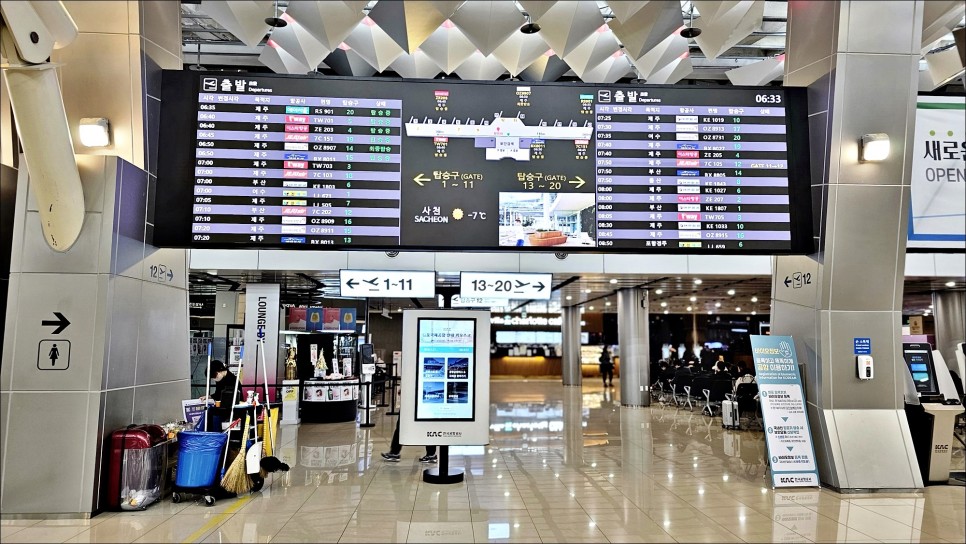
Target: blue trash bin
x: 199, y: 454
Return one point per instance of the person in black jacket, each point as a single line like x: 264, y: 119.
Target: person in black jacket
x: 224, y: 390
x: 606, y: 367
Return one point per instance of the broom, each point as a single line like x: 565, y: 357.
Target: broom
x: 235, y: 479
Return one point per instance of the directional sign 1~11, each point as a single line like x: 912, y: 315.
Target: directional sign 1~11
x: 505, y: 285
x: 387, y: 283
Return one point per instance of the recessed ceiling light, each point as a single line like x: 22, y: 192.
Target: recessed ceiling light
x: 754, y: 312
x: 689, y: 308
x: 950, y: 284
x: 658, y: 291
x: 607, y: 304
x: 697, y: 281
x: 717, y: 304
x: 588, y: 291
x: 569, y: 297
x: 664, y: 305
x: 613, y: 280
x: 693, y: 299
x: 591, y: 308
x: 710, y: 312
x: 665, y: 312
x: 930, y: 306
x: 754, y: 299
x: 738, y: 308
x: 731, y: 292
x: 583, y: 323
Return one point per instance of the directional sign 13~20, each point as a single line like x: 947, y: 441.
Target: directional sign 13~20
x: 387, y: 283
x: 505, y: 285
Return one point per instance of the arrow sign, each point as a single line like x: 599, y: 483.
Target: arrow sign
x: 578, y: 183
x: 788, y: 281
x: 421, y: 179
x: 785, y: 419
x: 61, y: 323
x: 505, y: 285
x: 387, y: 284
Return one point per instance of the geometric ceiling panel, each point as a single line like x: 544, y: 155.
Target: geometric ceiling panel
x: 545, y: 68
x: 758, y: 73
x: 281, y: 61
x: 625, y: 9
x: 647, y: 27
x: 299, y: 43
x: 537, y: 8
x: 673, y: 72
x: 942, y: 67
x: 245, y: 19
x: 724, y: 24
x: 566, y: 24
x: 938, y: 19
x: 592, y: 51
x: 448, y: 47
x: 373, y: 44
x: 480, y: 68
x: 609, y: 71
x: 488, y: 23
x: 409, y: 23
x: 663, y: 54
x: 519, y: 51
x: 415, y: 66
x: 329, y: 21
x: 346, y: 62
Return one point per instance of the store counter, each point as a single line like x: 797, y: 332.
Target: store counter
x: 329, y: 401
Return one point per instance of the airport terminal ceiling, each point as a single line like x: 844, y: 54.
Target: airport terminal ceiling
x: 713, y: 293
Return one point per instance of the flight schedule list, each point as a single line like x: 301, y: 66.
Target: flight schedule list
x: 675, y: 175
x: 303, y: 163
x: 297, y: 170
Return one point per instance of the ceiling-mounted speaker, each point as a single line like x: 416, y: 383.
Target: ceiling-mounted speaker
x: 690, y: 32
x: 530, y: 28
x: 275, y: 22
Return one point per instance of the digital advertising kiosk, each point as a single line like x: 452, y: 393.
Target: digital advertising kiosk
x: 932, y: 413
x: 445, y: 374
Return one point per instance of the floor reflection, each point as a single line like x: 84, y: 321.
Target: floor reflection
x: 565, y: 464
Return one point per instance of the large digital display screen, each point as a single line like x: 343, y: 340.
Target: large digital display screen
x: 445, y: 378
x: 257, y: 160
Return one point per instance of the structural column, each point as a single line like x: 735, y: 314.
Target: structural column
x: 861, y: 79
x: 948, y: 309
x: 570, y: 345
x: 633, y: 332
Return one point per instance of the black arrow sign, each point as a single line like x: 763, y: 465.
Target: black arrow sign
x: 787, y: 281
x: 170, y: 275
x: 61, y: 323
x: 538, y: 286
x: 351, y: 283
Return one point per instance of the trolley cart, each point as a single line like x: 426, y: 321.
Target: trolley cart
x: 199, y: 464
x: 138, y: 456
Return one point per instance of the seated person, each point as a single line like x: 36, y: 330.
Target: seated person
x: 224, y: 390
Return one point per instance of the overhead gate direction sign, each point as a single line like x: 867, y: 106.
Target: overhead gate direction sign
x: 387, y: 283
x: 506, y: 285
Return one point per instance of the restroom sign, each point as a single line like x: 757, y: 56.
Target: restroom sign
x: 53, y: 355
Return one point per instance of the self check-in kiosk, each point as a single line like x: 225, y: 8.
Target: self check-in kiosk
x: 931, y: 411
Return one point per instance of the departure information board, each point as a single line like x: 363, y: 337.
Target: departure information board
x: 342, y: 163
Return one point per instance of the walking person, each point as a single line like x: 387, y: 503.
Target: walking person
x: 606, y: 367
x: 395, y: 447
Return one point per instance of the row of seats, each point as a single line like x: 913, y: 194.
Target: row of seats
x: 685, y: 390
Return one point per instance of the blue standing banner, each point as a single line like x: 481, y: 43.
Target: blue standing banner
x: 787, y: 435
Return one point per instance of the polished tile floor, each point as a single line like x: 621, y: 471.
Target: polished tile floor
x: 564, y: 465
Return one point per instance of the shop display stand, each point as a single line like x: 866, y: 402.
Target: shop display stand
x: 442, y: 474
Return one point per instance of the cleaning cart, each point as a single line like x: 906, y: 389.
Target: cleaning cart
x: 199, y: 460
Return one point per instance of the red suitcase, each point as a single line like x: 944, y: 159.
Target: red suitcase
x: 133, y: 437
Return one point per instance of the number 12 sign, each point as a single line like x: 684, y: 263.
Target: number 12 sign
x: 505, y: 285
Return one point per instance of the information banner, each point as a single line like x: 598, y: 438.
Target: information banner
x: 261, y: 323
x: 937, y: 208
x: 445, y: 378
x: 787, y: 435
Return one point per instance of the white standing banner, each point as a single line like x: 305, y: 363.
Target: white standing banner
x: 937, y: 207
x: 783, y: 412
x: 445, y: 378
x: 261, y: 322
